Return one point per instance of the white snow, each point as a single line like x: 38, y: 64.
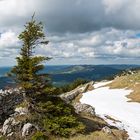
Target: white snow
x: 113, y: 102
x: 100, y: 84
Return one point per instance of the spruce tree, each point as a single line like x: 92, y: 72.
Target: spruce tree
x: 51, y: 114
x: 27, y: 71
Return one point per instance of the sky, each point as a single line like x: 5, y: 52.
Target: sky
x: 79, y: 31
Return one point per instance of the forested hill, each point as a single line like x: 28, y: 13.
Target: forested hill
x: 65, y: 74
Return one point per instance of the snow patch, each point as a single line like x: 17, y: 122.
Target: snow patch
x: 101, y: 84
x: 113, y: 102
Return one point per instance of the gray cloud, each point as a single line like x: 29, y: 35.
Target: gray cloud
x: 73, y: 15
x: 79, y: 31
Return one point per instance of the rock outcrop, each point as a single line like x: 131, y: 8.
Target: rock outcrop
x: 27, y: 129
x: 84, y: 108
x: 106, y: 130
x: 17, y: 125
x: 10, y: 126
x: 69, y: 96
x: 8, y: 100
x: 79, y: 108
x: 21, y: 110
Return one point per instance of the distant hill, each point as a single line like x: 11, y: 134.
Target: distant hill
x: 88, y: 72
x: 66, y: 74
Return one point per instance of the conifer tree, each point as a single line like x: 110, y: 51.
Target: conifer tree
x: 27, y: 71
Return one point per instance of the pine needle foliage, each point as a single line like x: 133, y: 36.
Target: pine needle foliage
x: 27, y: 71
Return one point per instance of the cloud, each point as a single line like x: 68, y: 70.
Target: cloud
x: 106, y: 46
x: 8, y: 44
x: 8, y: 40
x: 75, y: 16
x: 107, y: 43
x: 79, y: 31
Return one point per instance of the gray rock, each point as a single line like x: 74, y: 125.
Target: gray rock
x: 21, y: 110
x: 10, y: 125
x: 84, y: 108
x: 106, y: 130
x: 27, y: 129
x: 69, y: 96
x: 7, y: 126
x: 11, y: 134
x: 8, y: 100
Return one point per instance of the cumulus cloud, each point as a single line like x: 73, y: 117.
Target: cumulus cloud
x: 79, y: 31
x: 8, y: 40
x: 8, y: 45
x: 106, y: 43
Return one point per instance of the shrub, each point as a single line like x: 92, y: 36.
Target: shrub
x: 63, y: 125
x: 57, y: 117
x: 39, y: 136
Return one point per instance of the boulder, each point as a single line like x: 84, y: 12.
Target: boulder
x: 27, y: 129
x: 84, y: 108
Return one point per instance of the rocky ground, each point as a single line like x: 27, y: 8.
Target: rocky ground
x: 16, y: 126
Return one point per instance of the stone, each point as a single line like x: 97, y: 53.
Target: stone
x: 106, y: 130
x: 8, y: 100
x: 27, y: 129
x: 11, y: 134
x: 69, y: 96
x: 21, y: 110
x: 10, y: 125
x: 84, y: 108
x: 7, y: 127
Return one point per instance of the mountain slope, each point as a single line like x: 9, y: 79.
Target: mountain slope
x: 130, y: 81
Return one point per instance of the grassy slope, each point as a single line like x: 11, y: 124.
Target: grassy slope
x: 130, y: 81
x: 99, y: 135
x: 93, y: 129
x: 94, y: 133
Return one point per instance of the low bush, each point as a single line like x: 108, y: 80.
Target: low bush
x: 39, y: 136
x: 56, y: 117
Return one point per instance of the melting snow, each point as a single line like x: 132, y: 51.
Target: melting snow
x: 113, y: 102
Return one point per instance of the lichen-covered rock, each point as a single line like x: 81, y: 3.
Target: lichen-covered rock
x: 84, y: 108
x: 27, y: 129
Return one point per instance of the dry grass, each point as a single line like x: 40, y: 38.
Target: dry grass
x: 100, y: 135
x: 94, y: 125
x: 130, y: 82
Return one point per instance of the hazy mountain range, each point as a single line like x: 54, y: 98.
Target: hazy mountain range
x: 65, y: 74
